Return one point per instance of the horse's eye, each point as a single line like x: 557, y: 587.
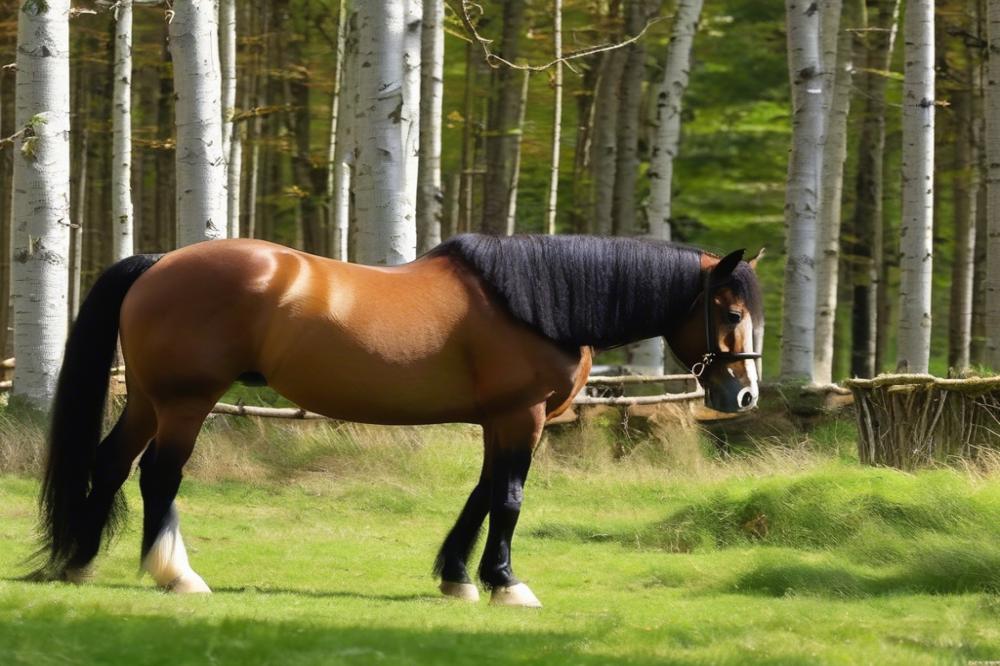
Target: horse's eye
x: 734, y: 316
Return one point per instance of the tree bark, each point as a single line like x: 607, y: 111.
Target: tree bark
x: 121, y: 161
x: 552, y: 196
x: 41, y: 199
x: 916, y: 228
x: 802, y: 196
x: 385, y: 186
x: 200, y: 160
x: 866, y: 221
x: 834, y: 154
x: 502, y: 129
x: 430, y: 199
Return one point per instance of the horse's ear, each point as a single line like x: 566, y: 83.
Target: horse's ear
x: 757, y: 257
x: 727, y: 265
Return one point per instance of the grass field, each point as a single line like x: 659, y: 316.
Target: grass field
x: 319, y: 547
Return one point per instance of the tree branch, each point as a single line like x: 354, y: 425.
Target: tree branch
x: 495, y: 61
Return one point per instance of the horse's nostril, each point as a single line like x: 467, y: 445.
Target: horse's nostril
x: 745, y: 398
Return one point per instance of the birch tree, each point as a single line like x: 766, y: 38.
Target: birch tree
x: 121, y: 128
x: 333, y: 242
x: 802, y: 195
x: 668, y: 118
x: 385, y: 187
x: 346, y: 140
x: 41, y: 214
x: 552, y: 196
x: 200, y: 160
x: 232, y: 148
x: 834, y: 154
x: 916, y: 227
x: 866, y: 221
x: 430, y: 200
x: 992, y: 95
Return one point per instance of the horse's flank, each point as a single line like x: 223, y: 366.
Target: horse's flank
x: 419, y: 343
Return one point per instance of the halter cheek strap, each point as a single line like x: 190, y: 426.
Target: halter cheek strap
x: 711, y: 343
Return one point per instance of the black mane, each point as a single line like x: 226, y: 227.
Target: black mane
x: 585, y: 290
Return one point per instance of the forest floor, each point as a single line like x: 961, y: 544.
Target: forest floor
x: 318, y: 541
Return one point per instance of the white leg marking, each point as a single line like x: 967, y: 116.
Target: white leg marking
x: 462, y: 591
x: 167, y: 562
x: 515, y: 595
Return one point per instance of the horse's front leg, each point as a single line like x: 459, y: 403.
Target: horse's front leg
x: 514, y: 438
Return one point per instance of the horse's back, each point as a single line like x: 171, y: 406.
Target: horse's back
x: 417, y: 343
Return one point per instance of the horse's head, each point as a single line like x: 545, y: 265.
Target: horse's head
x: 722, y: 338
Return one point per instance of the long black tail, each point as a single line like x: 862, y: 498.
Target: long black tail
x: 77, y: 413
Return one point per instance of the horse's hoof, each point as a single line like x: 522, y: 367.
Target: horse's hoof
x: 77, y: 576
x: 515, y: 595
x: 461, y: 591
x: 189, y: 583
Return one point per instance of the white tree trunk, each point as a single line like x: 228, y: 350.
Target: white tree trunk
x: 992, y: 94
x: 385, y: 187
x: 515, y: 172
x: 430, y: 201
x: 552, y: 199
x: 916, y: 228
x: 668, y: 118
x: 802, y: 195
x: 647, y: 357
x: 828, y: 235
x: 201, y: 163
x: 346, y: 141
x: 234, y: 172
x: 121, y: 161
x: 331, y: 153
x: 41, y: 199
x: 231, y: 149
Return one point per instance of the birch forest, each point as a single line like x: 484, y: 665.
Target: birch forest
x: 858, y: 141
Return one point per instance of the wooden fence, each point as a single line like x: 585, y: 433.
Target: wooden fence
x: 910, y: 420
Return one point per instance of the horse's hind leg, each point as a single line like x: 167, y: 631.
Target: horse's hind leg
x: 163, y: 552
x: 513, y: 439
x: 104, y: 506
x: 454, y: 554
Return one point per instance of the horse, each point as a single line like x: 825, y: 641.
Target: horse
x: 494, y: 331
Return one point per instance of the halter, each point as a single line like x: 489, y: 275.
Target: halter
x: 711, y: 343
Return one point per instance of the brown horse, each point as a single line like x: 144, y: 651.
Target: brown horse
x: 492, y: 331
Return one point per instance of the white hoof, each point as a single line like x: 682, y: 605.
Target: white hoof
x: 461, y: 591
x: 78, y: 576
x: 189, y: 583
x: 515, y: 595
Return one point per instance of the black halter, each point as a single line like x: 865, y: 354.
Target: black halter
x: 711, y: 343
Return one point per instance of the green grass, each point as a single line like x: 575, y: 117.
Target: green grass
x: 785, y: 556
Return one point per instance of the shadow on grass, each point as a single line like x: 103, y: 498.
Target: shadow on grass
x: 52, y: 634
x: 945, y: 569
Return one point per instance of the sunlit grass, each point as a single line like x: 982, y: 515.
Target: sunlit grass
x: 318, y: 541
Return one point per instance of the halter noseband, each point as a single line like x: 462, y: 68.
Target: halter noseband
x: 711, y: 343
